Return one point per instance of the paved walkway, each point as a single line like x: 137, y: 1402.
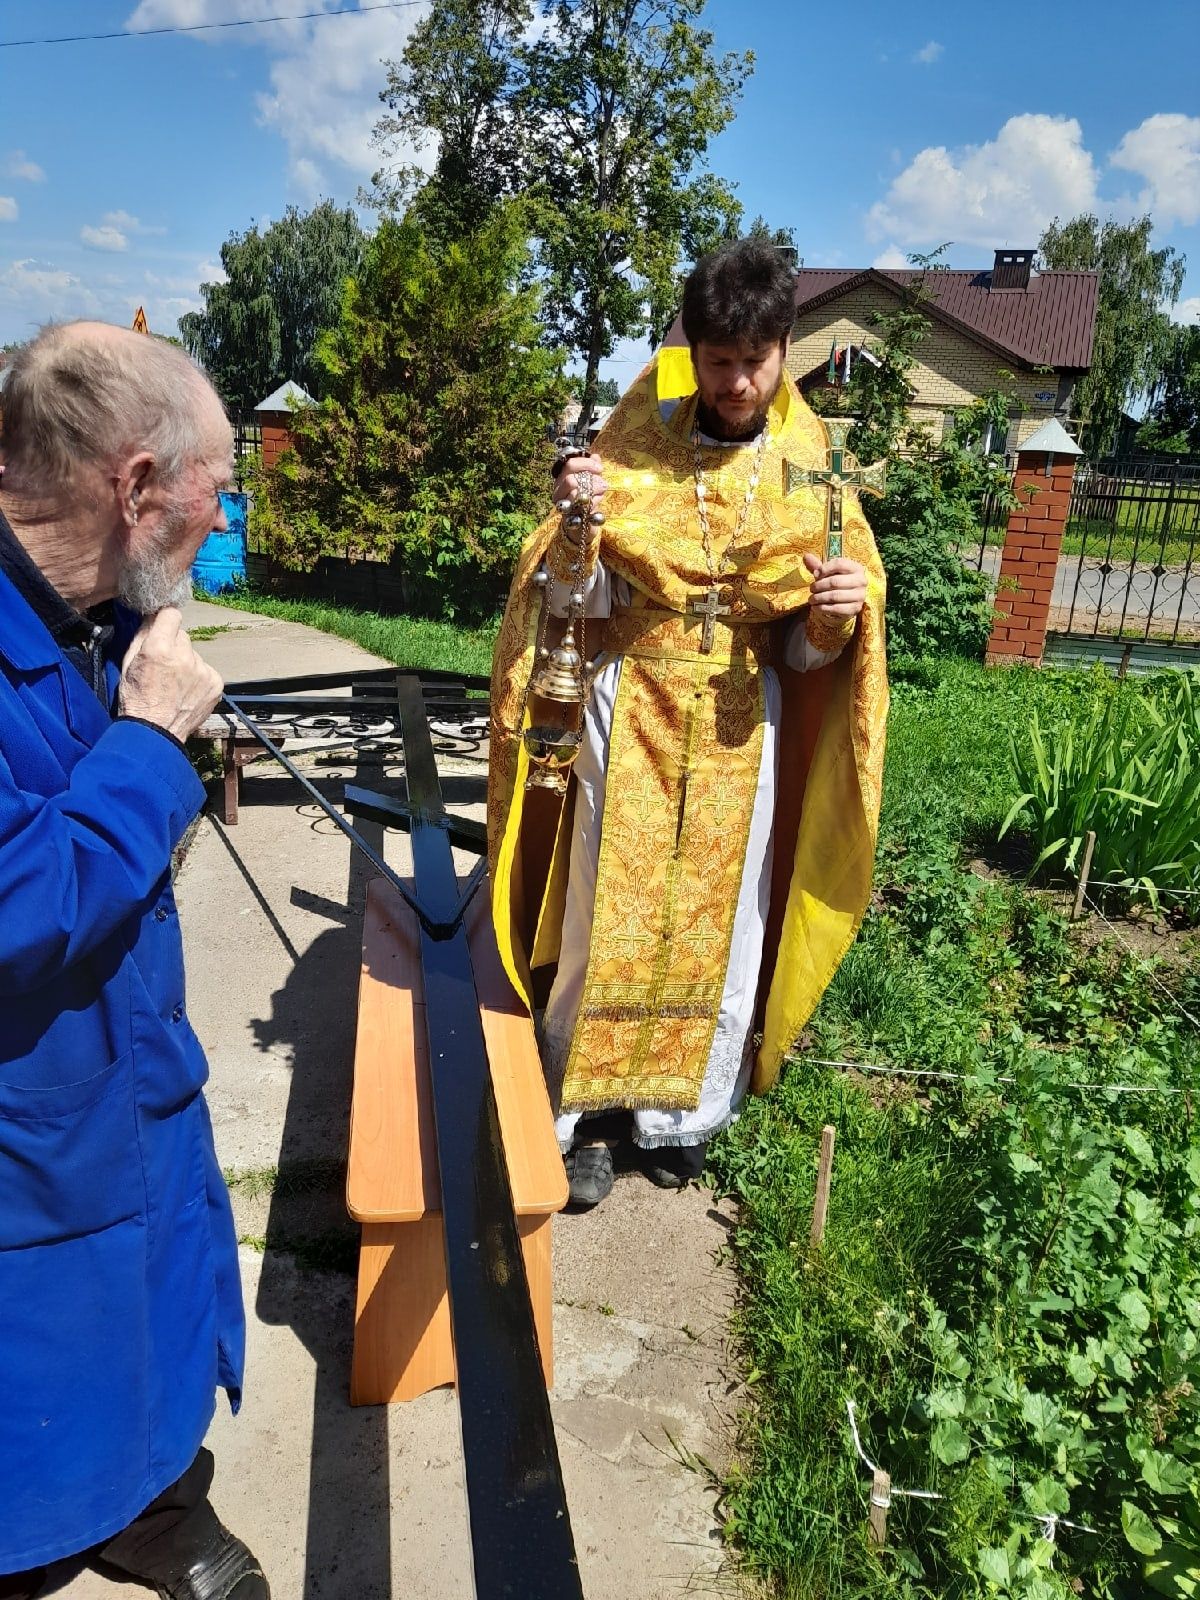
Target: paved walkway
x: 365, y: 1504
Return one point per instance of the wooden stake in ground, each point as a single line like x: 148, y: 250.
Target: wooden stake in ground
x: 881, y: 1499
x: 1089, y: 845
x: 824, y: 1177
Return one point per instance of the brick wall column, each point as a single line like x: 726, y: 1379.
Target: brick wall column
x: 276, y: 435
x: 1032, y: 545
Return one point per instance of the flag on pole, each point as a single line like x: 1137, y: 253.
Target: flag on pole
x: 832, y: 373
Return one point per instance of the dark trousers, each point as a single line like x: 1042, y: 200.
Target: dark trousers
x: 159, y: 1544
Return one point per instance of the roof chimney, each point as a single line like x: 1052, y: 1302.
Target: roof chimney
x: 1012, y: 269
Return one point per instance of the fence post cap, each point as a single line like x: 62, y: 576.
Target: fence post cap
x: 1050, y: 439
x: 282, y: 400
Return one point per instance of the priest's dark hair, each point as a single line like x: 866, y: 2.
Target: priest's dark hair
x: 743, y: 293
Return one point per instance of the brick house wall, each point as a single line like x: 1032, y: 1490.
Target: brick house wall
x: 950, y: 372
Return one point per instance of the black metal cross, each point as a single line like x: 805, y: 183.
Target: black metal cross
x: 841, y: 472
x: 710, y: 608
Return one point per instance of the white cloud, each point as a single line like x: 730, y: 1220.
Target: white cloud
x: 127, y: 224
x: 18, y: 165
x: 890, y: 259
x: 1187, y: 311
x: 929, y: 53
x: 1004, y: 191
x: 325, y: 78
x: 103, y: 238
x: 1165, y: 151
x: 36, y: 291
x: 9, y: 210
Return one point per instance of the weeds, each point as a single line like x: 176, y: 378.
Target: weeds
x: 1009, y: 1287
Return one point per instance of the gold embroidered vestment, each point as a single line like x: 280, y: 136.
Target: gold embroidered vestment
x: 684, y: 757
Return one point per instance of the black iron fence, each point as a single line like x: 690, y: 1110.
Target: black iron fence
x: 1130, y: 567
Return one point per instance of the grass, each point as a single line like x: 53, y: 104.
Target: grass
x: 951, y: 973
x: 407, y: 641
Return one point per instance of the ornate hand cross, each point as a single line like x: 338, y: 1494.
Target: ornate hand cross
x: 841, y: 472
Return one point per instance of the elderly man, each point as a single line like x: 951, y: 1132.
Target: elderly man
x: 119, y: 1281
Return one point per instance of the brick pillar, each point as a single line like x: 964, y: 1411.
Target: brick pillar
x: 276, y: 435
x: 1032, y: 545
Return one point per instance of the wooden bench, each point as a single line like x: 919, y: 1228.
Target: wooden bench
x: 402, y: 1341
x: 238, y: 748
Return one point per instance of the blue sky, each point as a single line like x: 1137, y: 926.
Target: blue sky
x: 872, y: 130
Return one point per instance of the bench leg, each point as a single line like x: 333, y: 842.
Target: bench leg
x: 402, y: 1343
x: 402, y: 1340
x: 229, y: 763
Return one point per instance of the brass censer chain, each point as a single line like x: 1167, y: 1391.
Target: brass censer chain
x: 561, y: 674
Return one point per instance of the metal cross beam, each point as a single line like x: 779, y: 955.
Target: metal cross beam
x: 520, y: 1529
x: 521, y: 1539
x: 841, y: 471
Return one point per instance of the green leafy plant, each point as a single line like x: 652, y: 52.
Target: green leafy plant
x: 1126, y: 766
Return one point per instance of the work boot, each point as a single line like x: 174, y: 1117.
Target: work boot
x: 224, y: 1571
x: 674, y: 1166
x: 589, y: 1176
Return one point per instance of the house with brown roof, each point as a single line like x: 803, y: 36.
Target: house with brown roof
x: 1009, y: 327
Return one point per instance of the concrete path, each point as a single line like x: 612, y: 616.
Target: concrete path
x: 365, y: 1504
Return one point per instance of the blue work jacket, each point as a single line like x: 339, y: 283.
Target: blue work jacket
x: 120, y: 1301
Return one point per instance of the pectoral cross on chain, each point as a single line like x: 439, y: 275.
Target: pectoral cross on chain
x: 710, y: 608
x: 842, y: 471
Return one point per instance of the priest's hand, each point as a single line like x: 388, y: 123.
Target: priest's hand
x: 566, y: 484
x: 839, y: 587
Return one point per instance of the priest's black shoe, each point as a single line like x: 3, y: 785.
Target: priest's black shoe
x: 224, y: 1570
x: 589, y: 1177
x: 672, y: 1166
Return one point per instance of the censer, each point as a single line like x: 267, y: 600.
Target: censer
x: 561, y: 675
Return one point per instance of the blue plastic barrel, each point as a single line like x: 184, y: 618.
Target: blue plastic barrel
x: 220, y: 562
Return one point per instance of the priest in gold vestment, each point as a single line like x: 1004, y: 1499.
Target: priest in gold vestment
x: 675, y: 917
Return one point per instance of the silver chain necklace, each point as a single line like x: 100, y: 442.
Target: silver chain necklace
x: 764, y: 439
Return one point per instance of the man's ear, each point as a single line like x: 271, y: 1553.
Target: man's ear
x: 129, y: 484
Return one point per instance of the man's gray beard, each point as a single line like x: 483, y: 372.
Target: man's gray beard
x: 151, y: 583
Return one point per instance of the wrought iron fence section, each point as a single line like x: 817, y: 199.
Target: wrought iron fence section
x: 1130, y: 552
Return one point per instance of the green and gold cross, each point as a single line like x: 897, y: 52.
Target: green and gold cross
x: 841, y: 471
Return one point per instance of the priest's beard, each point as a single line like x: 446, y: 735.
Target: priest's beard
x: 714, y: 426
x: 151, y: 580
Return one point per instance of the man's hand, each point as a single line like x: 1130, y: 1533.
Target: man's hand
x: 839, y: 587
x: 163, y: 680
x: 566, y: 485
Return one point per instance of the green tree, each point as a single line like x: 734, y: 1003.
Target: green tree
x: 1133, y: 335
x: 784, y: 239
x: 433, y: 440
x: 1174, y: 420
x: 608, y: 390
x: 453, y: 87
x: 620, y: 99
x: 283, y: 287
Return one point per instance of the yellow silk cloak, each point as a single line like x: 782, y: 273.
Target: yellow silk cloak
x: 684, y: 745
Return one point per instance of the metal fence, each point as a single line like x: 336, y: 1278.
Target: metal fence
x: 247, y: 443
x: 1130, y: 567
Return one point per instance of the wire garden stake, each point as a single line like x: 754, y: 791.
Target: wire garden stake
x: 881, y: 1499
x: 882, y: 1492
x: 824, y: 1178
x: 1084, y: 873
